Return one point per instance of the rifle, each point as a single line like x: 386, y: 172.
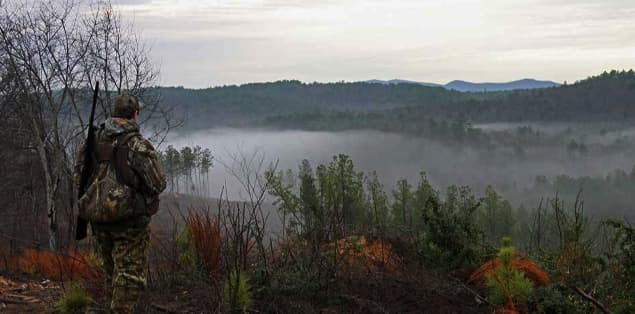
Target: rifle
x: 81, y: 230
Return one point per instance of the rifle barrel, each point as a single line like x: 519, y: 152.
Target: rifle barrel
x: 81, y: 230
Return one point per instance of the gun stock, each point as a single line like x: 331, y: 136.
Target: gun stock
x: 81, y: 227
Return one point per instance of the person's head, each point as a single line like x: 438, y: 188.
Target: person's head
x: 127, y: 106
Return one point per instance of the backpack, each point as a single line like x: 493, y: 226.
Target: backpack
x: 112, y: 196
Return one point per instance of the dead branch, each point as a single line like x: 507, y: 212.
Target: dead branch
x: 478, y: 297
x: 591, y: 299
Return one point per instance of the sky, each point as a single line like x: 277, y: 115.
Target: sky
x: 203, y: 43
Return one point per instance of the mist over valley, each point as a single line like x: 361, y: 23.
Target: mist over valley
x: 395, y: 156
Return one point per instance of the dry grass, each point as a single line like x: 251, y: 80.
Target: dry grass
x: 206, y: 238
x: 358, y: 252
x: 73, y: 265
x: 58, y: 266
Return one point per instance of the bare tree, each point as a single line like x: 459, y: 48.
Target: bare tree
x: 119, y: 59
x: 54, y: 52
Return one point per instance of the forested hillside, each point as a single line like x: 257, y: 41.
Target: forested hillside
x: 250, y: 104
x: 292, y: 104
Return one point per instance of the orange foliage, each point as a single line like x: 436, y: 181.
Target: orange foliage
x: 74, y: 265
x: 70, y: 266
x: 357, y: 252
x: 206, y: 238
x: 520, y: 262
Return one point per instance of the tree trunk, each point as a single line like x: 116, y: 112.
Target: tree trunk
x: 49, y: 191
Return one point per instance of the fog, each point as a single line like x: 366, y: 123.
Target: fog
x: 589, y: 133
x: 396, y: 156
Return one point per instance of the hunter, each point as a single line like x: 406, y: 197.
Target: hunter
x: 122, y: 197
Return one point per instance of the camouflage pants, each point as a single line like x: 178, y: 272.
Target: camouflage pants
x: 124, y: 256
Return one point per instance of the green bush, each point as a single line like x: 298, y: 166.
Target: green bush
x: 449, y: 238
x: 76, y: 300
x: 236, y: 292
x: 187, y: 260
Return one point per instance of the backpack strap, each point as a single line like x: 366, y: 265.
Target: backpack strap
x: 104, y: 152
x: 121, y: 151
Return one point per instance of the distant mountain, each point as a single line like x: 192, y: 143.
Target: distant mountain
x: 608, y: 97
x: 464, y: 86
x: 397, y: 81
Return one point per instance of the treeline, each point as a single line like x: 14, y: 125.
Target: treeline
x: 187, y: 169
x: 457, y: 229
x: 608, y: 97
x: 604, y: 196
x: 249, y: 104
x: 459, y: 130
x: 400, y: 107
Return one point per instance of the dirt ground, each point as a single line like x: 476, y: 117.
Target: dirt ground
x: 27, y: 294
x: 20, y: 294
x: 24, y: 294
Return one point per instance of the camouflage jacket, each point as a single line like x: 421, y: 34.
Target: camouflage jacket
x: 143, y: 160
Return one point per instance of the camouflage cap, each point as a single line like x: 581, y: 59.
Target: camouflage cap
x: 125, y: 105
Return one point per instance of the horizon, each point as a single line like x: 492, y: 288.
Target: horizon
x: 363, y: 81
x: 199, y: 44
x: 395, y: 78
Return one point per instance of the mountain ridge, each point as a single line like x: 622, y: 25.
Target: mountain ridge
x: 467, y: 86
x: 605, y: 97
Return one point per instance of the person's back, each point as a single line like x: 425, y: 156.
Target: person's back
x: 136, y: 180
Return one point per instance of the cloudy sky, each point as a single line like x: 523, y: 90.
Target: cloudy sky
x: 201, y: 43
